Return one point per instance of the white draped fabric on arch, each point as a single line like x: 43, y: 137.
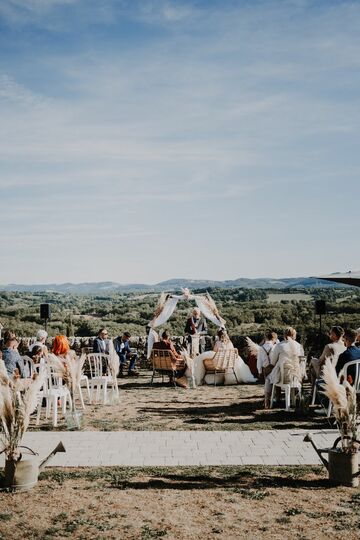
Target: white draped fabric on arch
x: 167, y: 305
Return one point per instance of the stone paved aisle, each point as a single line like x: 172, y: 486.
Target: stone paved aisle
x: 180, y: 448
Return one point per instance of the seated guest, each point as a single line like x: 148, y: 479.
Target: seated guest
x: 12, y: 358
x: 352, y: 353
x: 242, y: 371
x: 40, y: 342
x: 251, y: 362
x: 223, y: 342
x: 196, y: 326
x: 37, y: 354
x: 101, y: 343
x: 8, y: 334
x: 264, y: 365
x: 61, y: 348
x: 123, y: 349
x: 331, y: 350
x: 287, y: 351
x: 166, y: 344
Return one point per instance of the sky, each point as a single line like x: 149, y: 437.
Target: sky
x: 144, y: 140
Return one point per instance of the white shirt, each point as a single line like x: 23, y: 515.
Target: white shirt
x: 284, y: 350
x: 263, y: 357
x: 281, y: 353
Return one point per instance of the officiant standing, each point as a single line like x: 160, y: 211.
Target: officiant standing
x: 196, y: 330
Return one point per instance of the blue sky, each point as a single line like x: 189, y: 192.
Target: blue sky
x: 145, y: 140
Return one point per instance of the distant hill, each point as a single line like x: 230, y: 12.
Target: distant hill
x: 105, y: 287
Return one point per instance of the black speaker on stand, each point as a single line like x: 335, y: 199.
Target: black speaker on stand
x: 320, y: 309
x: 45, y: 313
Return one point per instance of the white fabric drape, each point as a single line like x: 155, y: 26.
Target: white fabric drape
x: 153, y: 337
x: 168, y: 308
x: 167, y: 311
x: 202, y: 304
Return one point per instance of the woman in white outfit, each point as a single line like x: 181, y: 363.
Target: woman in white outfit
x: 286, y: 352
x: 243, y: 373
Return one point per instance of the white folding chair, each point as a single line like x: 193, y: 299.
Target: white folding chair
x: 29, y: 366
x: 356, y: 381
x: 99, y: 377
x: 54, y: 392
x: 84, y: 383
x: 289, y: 379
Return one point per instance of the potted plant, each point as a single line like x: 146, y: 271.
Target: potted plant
x: 343, y: 463
x: 18, y: 399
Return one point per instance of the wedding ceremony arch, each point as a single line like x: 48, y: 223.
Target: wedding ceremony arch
x: 167, y: 304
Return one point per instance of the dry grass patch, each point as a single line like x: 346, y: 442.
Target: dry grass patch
x: 211, y: 408
x: 182, y: 503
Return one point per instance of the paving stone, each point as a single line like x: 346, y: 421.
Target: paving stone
x: 170, y: 448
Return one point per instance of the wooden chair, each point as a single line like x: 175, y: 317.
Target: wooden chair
x: 165, y: 363
x: 222, y: 362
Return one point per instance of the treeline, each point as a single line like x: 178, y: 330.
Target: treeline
x: 246, y: 311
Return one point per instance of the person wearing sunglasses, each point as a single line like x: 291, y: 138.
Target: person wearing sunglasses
x: 101, y: 342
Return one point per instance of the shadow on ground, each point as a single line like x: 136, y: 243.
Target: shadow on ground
x: 243, y: 483
x: 249, y: 411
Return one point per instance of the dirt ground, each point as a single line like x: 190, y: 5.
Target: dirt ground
x: 162, y: 407
x: 189, y: 503
x: 184, y: 503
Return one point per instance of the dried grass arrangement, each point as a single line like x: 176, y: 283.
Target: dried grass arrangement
x: 160, y: 306
x: 18, y: 399
x: 252, y: 347
x: 343, y: 398
x: 113, y: 364
x: 70, y: 370
x: 113, y: 361
x: 210, y: 304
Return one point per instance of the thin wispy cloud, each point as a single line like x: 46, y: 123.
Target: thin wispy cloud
x: 173, y: 115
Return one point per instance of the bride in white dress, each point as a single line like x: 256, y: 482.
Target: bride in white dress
x: 243, y: 373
